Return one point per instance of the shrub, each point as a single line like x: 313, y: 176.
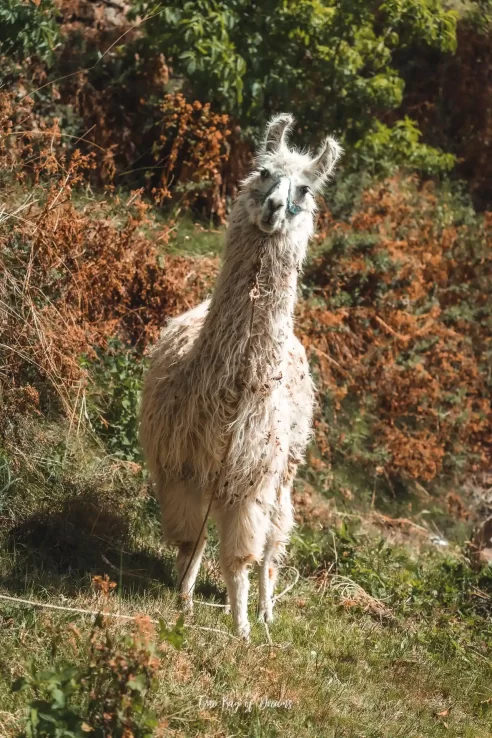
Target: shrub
x: 329, y: 62
x: 383, y: 148
x: 72, y: 277
x: 192, y: 141
x: 396, y: 324
x: 28, y: 28
x: 107, y: 694
x: 117, y: 374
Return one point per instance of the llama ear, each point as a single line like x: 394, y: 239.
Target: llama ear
x: 325, y: 160
x: 276, y: 132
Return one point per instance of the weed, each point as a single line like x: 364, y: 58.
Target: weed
x: 117, y: 374
x: 107, y: 694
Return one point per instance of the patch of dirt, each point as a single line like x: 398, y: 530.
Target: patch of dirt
x: 311, y: 509
x: 479, y: 491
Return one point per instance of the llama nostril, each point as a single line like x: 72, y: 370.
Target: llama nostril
x: 274, y: 205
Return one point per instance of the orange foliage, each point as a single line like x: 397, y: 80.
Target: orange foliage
x: 394, y: 334
x: 72, y: 277
x: 186, y: 145
x: 193, y: 143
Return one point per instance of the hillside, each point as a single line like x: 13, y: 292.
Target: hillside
x: 124, y: 138
x: 385, y: 632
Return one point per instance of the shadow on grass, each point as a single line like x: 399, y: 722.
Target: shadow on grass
x: 59, y: 551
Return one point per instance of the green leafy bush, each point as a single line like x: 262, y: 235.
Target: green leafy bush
x: 383, y: 148
x: 28, y: 28
x: 106, y: 695
x: 331, y: 62
x: 479, y: 15
x: 117, y: 375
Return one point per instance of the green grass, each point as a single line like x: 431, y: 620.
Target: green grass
x: 376, y: 640
x: 198, y: 239
x: 189, y: 236
x: 343, y: 674
x: 408, y: 657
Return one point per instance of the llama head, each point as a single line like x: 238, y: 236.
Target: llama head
x: 279, y: 193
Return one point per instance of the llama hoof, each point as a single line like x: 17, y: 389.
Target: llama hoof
x: 265, y: 615
x: 187, y: 605
x: 243, y: 632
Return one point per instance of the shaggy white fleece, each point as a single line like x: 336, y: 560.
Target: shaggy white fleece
x: 227, y: 400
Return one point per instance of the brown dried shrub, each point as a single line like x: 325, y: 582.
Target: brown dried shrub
x: 72, y: 277
x: 401, y: 326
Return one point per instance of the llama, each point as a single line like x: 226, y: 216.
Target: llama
x: 227, y: 400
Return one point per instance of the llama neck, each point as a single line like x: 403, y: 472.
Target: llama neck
x: 252, y: 309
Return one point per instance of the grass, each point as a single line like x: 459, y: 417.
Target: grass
x: 384, y: 634
x: 401, y: 649
x: 188, y: 236
x: 196, y: 239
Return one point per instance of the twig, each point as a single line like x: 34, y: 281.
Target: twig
x: 400, y: 521
x: 95, y: 613
x: 267, y: 631
x: 421, y: 488
x: 52, y: 204
x: 335, y: 550
x: 30, y: 201
x: 329, y: 358
x: 290, y: 586
x: 391, y: 330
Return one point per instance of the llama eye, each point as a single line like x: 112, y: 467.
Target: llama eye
x: 264, y: 174
x: 304, y: 190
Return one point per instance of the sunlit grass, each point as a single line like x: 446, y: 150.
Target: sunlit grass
x: 336, y: 666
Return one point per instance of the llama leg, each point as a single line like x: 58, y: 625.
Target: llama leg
x: 227, y: 606
x: 277, y: 539
x: 266, y: 590
x: 183, y: 512
x: 243, y: 530
x: 236, y: 575
x: 188, y: 571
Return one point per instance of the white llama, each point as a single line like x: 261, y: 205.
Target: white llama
x: 227, y: 401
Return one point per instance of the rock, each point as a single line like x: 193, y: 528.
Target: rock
x: 481, y: 543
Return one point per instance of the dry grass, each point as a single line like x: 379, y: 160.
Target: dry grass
x: 352, y: 594
x: 342, y: 659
